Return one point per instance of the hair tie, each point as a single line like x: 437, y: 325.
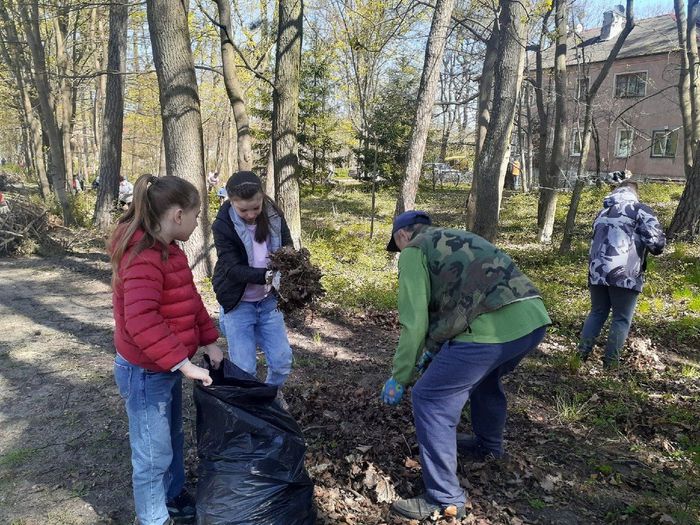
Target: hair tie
x: 152, y: 179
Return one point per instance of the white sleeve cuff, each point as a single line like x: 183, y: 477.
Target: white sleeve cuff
x: 179, y: 365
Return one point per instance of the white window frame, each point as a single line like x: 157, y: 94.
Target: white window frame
x: 618, y: 134
x: 667, y: 132
x: 629, y: 73
x: 576, y: 133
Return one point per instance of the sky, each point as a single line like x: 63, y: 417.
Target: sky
x: 642, y: 9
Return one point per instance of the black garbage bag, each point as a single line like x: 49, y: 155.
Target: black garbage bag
x: 251, y: 455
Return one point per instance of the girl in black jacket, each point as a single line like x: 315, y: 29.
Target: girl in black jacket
x: 246, y: 230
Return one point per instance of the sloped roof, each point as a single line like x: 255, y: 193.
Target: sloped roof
x: 649, y: 36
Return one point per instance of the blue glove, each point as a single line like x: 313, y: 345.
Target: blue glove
x: 424, y: 361
x: 392, y: 392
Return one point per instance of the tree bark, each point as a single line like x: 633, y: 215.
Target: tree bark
x: 565, y: 245
x: 484, y: 117
x: 64, y: 107
x: 686, y: 219
x: 549, y: 193
x: 111, y: 150
x: 14, y: 57
x: 493, y: 159
x: 181, y: 115
x: 234, y: 89
x: 36, y: 145
x: 32, y: 32
x: 285, y: 113
x: 437, y: 39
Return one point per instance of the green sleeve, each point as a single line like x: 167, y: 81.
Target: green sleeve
x: 414, y: 294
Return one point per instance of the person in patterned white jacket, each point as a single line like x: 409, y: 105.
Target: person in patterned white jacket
x: 624, y: 231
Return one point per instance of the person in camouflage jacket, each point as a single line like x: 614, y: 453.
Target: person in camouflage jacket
x: 624, y: 232
x: 468, y: 316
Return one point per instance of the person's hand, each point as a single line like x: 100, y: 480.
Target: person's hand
x: 424, y: 361
x: 197, y: 373
x: 216, y: 356
x: 392, y: 392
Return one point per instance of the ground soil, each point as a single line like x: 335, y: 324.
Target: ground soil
x: 64, y: 454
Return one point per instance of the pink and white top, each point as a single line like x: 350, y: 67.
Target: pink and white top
x: 256, y: 292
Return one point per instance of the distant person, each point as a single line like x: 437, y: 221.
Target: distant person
x: 160, y: 321
x: 247, y: 229
x: 213, y: 179
x: 126, y: 193
x: 223, y: 196
x: 623, y: 232
x: 4, y: 207
x: 468, y: 316
x: 515, y: 170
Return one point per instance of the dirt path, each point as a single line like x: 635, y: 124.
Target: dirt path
x: 64, y: 455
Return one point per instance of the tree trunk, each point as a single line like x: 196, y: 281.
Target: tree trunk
x: 30, y: 23
x: 36, y: 145
x: 565, y: 245
x: 64, y: 107
x: 686, y: 220
x: 162, y: 162
x: 13, y: 55
x: 493, y: 159
x: 484, y: 117
x: 549, y: 193
x: 180, y: 111
x: 233, y: 88
x: 285, y: 113
x: 437, y: 39
x: 111, y: 151
x: 270, y: 175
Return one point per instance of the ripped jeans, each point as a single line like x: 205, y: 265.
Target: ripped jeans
x: 153, y: 403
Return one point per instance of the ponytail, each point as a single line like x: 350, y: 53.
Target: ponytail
x: 153, y: 196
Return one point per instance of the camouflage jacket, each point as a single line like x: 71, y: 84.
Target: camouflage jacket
x: 469, y: 276
x: 624, y: 230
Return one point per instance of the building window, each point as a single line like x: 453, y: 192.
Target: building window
x: 582, y: 88
x: 631, y: 85
x: 664, y: 143
x: 623, y: 142
x: 576, y: 144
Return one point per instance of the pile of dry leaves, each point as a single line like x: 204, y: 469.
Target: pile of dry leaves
x: 300, y: 286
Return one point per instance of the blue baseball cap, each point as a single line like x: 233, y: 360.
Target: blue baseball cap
x: 406, y: 218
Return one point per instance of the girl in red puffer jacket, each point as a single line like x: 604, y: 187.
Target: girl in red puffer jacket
x: 160, y: 322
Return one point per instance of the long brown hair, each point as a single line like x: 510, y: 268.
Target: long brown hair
x: 246, y: 190
x: 153, y: 196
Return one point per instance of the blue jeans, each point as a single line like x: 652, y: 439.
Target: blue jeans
x: 253, y: 324
x: 458, y: 373
x: 154, y: 407
x: 622, y: 301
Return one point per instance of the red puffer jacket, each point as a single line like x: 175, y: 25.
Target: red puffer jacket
x: 159, y: 316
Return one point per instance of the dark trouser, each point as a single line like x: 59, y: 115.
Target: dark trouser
x: 459, y: 372
x: 622, y: 301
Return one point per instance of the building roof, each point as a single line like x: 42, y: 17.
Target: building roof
x: 649, y: 36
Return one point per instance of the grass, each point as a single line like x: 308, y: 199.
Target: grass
x: 571, y: 408
x: 358, y: 272
x: 16, y: 457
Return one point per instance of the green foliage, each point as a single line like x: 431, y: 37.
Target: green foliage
x: 359, y: 273
x: 82, y: 206
x: 392, y: 120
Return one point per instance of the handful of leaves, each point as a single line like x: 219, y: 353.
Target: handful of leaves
x: 301, y: 281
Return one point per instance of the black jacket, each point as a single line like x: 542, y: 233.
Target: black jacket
x: 232, y: 272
